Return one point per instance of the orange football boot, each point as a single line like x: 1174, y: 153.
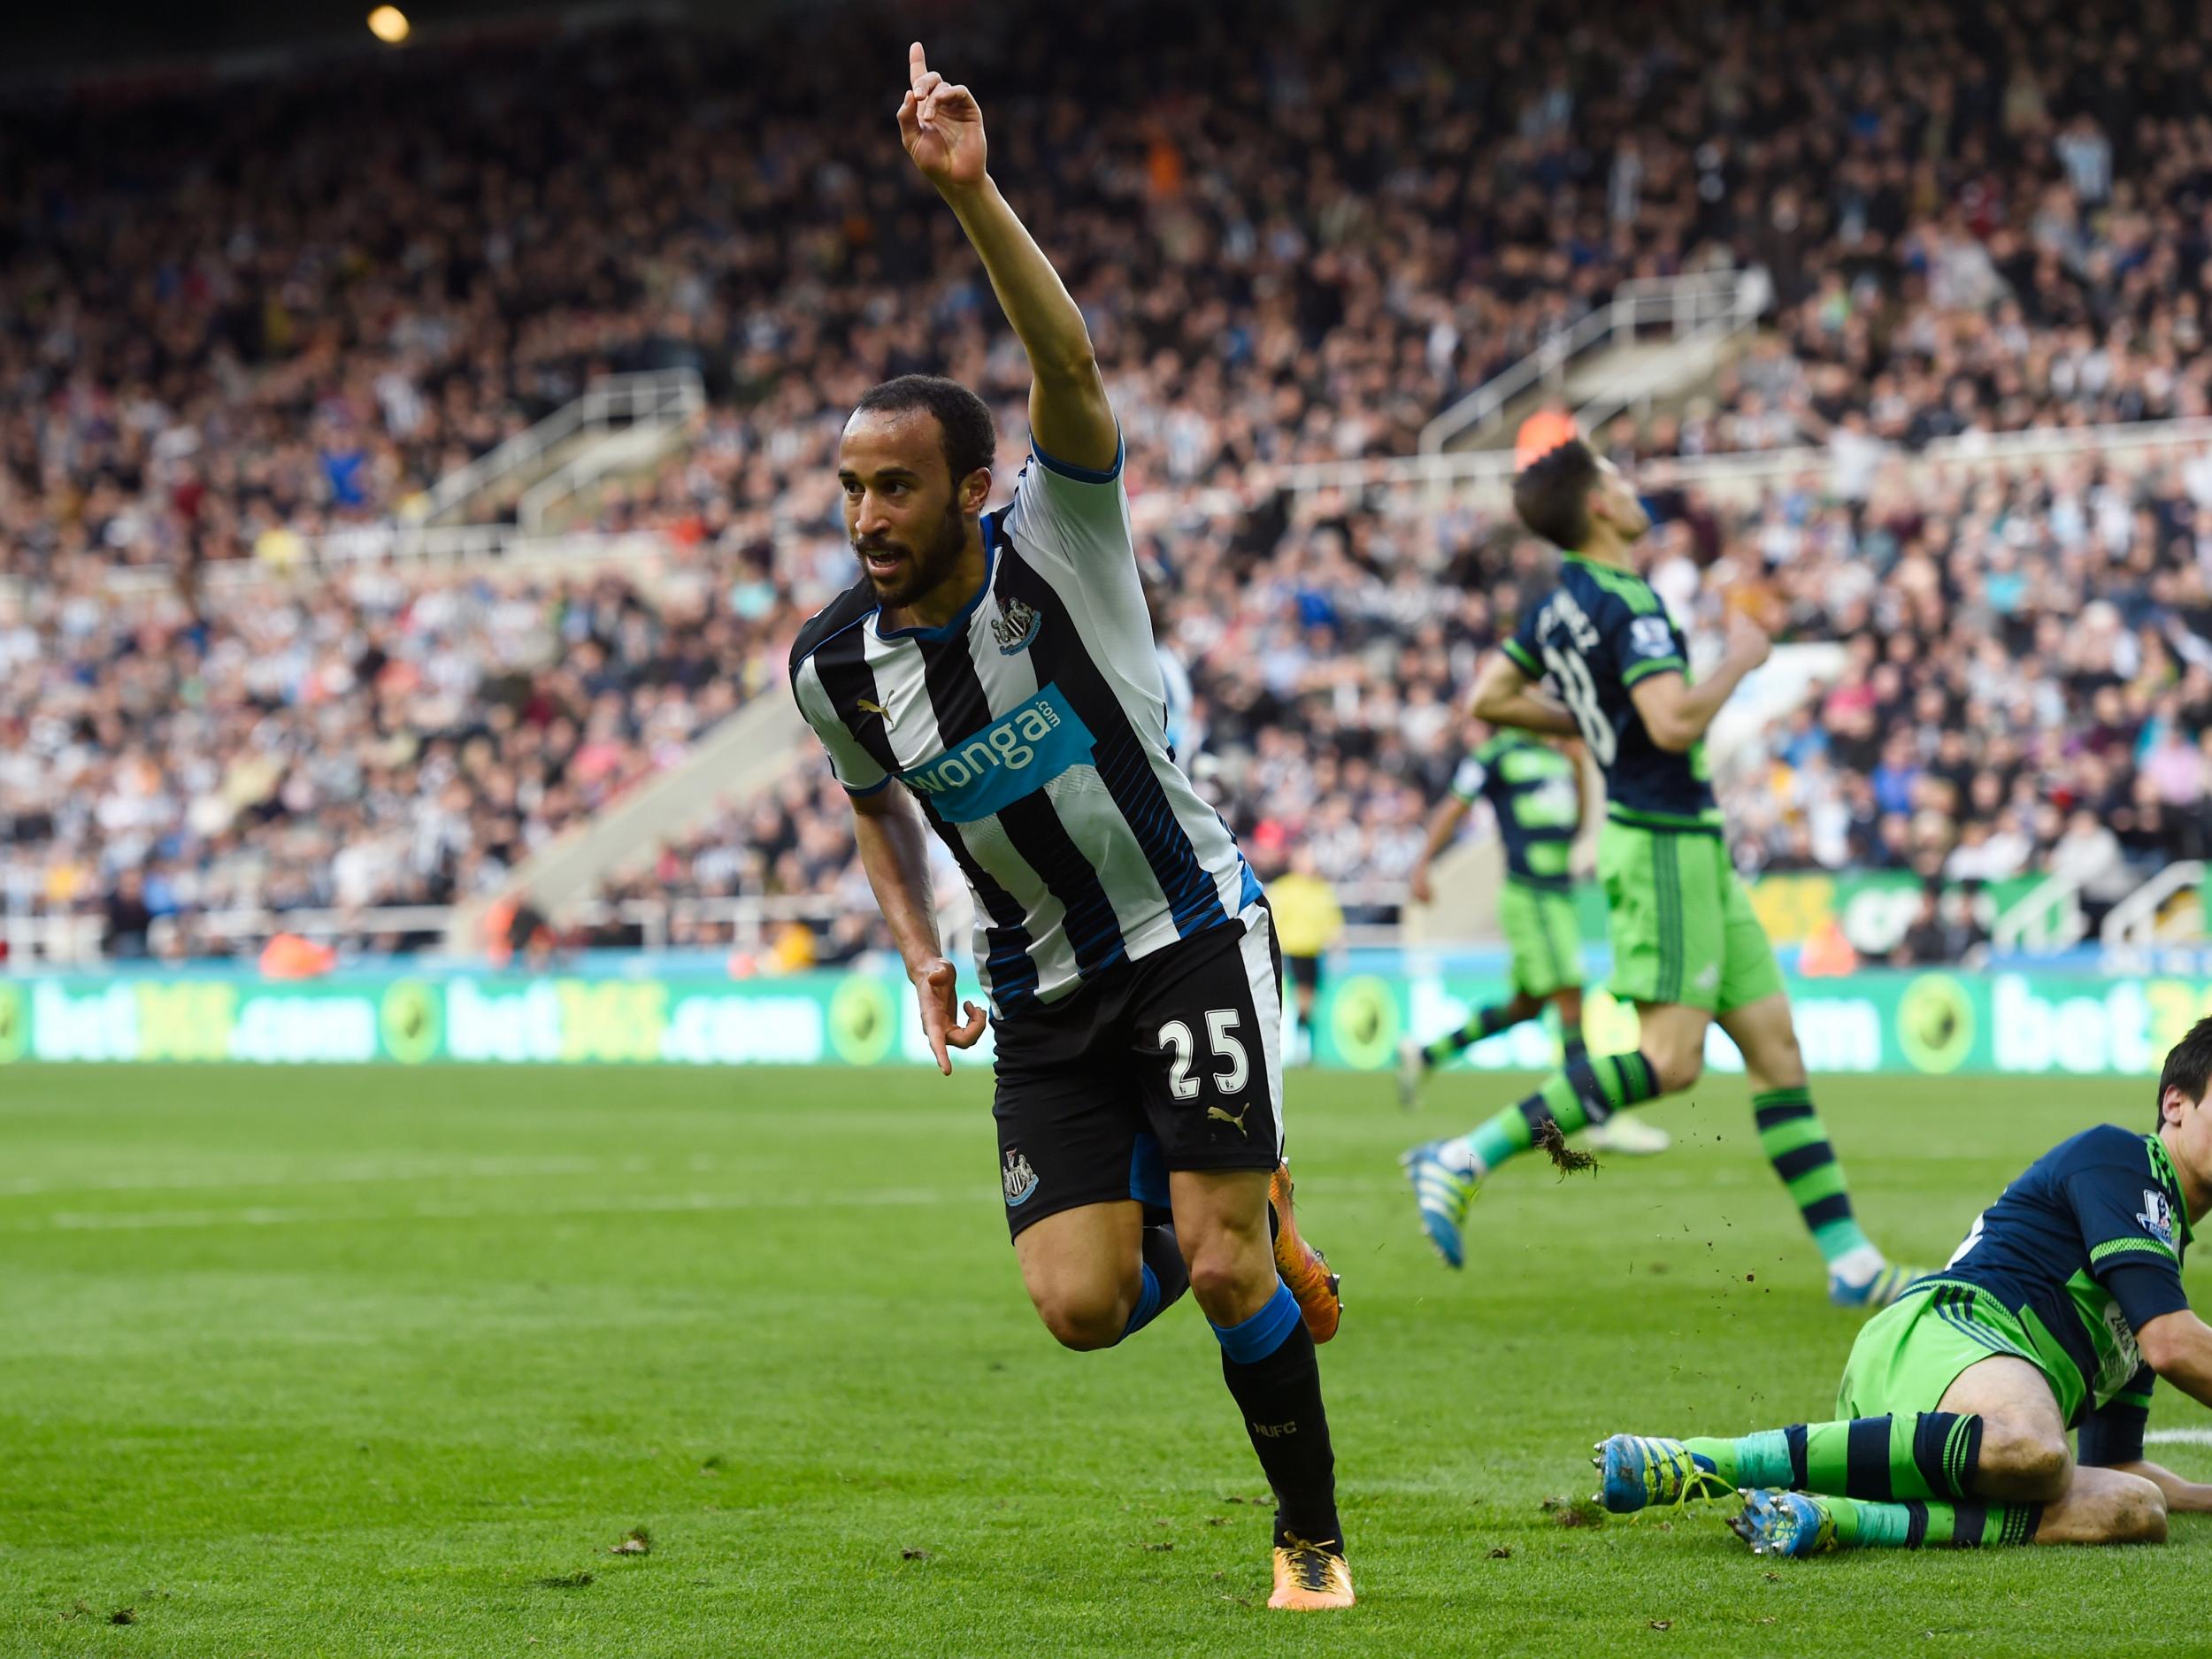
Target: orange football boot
x: 1309, y: 1579
x: 1304, y: 1269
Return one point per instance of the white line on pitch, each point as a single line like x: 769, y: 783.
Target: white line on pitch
x: 265, y: 1216
x: 2178, y: 1437
x: 361, y: 1170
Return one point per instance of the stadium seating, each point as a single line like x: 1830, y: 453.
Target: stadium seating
x: 1968, y: 231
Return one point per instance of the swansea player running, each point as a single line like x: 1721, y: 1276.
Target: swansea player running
x: 998, y: 669
x: 1686, y: 948
x: 1537, y: 794
x: 2059, y: 1313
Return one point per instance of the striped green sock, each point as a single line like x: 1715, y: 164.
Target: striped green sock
x: 1922, y: 1455
x: 1484, y: 1022
x: 1589, y: 1091
x: 1861, y: 1525
x: 1796, y: 1144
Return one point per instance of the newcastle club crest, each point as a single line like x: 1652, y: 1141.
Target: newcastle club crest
x: 1015, y: 626
x: 1020, y: 1180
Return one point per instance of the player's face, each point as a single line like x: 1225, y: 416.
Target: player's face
x: 2191, y: 1142
x: 1618, y: 504
x: 903, y: 514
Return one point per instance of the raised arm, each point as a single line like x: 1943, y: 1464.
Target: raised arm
x: 1069, y: 419
x: 1504, y: 696
x: 1676, y: 713
x: 894, y: 852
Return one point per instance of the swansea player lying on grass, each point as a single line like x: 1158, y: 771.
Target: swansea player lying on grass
x: 1000, y: 668
x: 2058, y: 1313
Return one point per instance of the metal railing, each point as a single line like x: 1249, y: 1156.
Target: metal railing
x: 2132, y: 924
x: 2146, y: 442
x: 612, y: 403
x: 2047, y: 916
x: 1703, y: 307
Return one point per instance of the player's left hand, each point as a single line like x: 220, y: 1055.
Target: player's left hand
x: 934, y: 984
x: 941, y: 125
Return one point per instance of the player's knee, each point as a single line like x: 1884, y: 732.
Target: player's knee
x: 2145, y: 1522
x: 2032, y: 1465
x: 1229, y: 1273
x: 1221, y: 1287
x: 1781, y: 1062
x: 1676, y: 1068
x: 1083, y: 1323
x: 2137, y: 1514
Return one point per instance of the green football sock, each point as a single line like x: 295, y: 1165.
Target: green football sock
x: 1484, y: 1022
x: 1796, y: 1144
x: 1588, y: 1090
x: 1861, y: 1525
x: 1922, y: 1454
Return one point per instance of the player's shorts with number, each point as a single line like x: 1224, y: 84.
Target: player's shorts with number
x: 1681, y: 924
x: 1539, y: 925
x: 1173, y: 1062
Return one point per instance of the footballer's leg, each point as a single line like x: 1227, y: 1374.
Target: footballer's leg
x: 1085, y: 1186
x: 1205, y: 1034
x: 2105, y: 1506
x: 1079, y: 1267
x: 1795, y: 1141
x: 1939, y: 1442
x: 1939, y: 1399
x: 1629, y: 1132
x: 1657, y: 927
x: 1754, y: 1012
x: 1447, y: 1174
x: 1273, y: 1371
x: 1096, y: 1274
x: 1416, y: 1061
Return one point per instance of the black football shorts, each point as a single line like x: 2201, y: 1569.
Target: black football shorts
x: 1172, y: 1062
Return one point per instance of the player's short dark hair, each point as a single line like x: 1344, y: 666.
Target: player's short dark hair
x: 964, y: 425
x: 2188, y: 1067
x: 1552, y: 494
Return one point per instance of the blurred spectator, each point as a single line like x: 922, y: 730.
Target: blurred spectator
x: 1945, y: 930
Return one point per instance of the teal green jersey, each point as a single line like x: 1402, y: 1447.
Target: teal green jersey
x: 1531, y: 787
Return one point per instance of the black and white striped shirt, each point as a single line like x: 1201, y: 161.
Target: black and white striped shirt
x: 1032, y: 730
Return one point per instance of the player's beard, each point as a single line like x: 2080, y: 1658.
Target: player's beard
x: 928, y: 566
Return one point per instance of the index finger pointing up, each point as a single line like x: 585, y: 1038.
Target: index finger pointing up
x: 917, y: 64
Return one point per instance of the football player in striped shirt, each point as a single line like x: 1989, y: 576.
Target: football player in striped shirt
x: 991, y: 679
x: 2057, y: 1315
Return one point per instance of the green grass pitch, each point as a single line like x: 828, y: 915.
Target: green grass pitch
x: 298, y: 1363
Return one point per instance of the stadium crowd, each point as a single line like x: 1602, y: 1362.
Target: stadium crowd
x: 353, y: 279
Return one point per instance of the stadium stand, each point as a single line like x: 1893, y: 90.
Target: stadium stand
x: 233, y: 356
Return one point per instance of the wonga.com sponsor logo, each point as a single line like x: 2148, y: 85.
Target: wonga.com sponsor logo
x: 1017, y: 753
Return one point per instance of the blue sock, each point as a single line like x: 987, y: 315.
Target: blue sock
x: 1166, y: 1277
x: 1147, y: 1304
x: 1253, y: 1340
